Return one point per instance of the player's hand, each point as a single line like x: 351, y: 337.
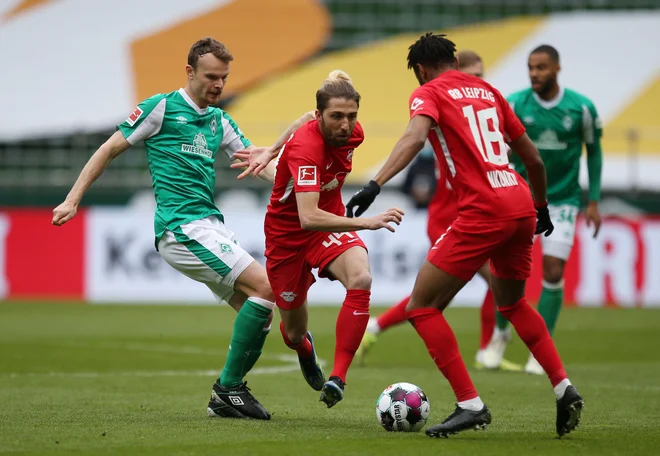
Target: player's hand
x: 593, y: 216
x: 63, y: 213
x: 384, y: 219
x: 253, y: 160
x: 362, y: 199
x: 543, y: 222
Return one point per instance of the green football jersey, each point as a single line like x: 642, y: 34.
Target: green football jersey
x: 558, y: 128
x: 181, y: 140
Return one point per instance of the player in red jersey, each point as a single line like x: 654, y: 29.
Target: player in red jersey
x: 442, y: 211
x: 306, y: 229
x: 468, y: 122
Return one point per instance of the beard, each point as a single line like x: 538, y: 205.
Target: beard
x: 546, y: 87
x: 333, y: 140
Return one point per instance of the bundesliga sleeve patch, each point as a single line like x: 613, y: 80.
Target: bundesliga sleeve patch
x: 307, y: 175
x: 134, y: 116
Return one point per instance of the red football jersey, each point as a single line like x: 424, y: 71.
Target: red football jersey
x: 443, y: 207
x: 472, y: 123
x: 307, y: 164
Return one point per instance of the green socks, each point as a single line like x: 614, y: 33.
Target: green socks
x: 255, y: 353
x: 500, y: 322
x: 247, y: 340
x: 552, y: 298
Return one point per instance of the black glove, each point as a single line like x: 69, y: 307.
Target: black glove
x: 543, y: 222
x: 362, y: 199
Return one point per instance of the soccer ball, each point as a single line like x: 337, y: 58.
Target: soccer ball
x: 403, y: 407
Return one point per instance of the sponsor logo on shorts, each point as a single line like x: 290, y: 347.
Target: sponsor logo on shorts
x: 288, y: 296
x: 134, y: 116
x: 307, y: 175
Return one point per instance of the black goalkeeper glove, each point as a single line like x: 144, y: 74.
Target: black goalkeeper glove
x: 362, y: 199
x: 543, y: 222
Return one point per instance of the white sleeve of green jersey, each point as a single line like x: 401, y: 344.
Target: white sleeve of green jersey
x: 232, y: 136
x: 146, y: 121
x: 592, y: 126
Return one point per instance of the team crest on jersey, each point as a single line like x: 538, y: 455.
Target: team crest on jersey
x: 349, y: 156
x: 213, y: 125
x: 567, y: 122
x: 416, y: 103
x: 134, y: 116
x: 288, y: 296
x: 226, y: 248
x: 307, y: 175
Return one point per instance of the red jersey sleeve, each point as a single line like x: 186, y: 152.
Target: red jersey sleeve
x: 422, y: 102
x: 305, y: 161
x: 513, y: 128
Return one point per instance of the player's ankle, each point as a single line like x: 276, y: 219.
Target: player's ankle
x: 473, y: 405
x: 373, y: 327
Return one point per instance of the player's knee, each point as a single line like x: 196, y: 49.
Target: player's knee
x: 295, y: 335
x: 360, y: 281
x: 553, y: 273
x: 264, y: 291
x: 270, y: 321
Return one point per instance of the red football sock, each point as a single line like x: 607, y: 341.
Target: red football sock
x: 441, y: 343
x: 394, y: 315
x: 304, y: 348
x: 532, y: 330
x: 487, y: 319
x: 351, y: 323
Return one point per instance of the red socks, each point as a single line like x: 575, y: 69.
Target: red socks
x: 441, y: 343
x: 394, y: 315
x: 487, y: 319
x: 532, y: 330
x: 351, y: 324
x: 304, y: 348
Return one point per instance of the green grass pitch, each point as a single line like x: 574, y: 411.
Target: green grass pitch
x: 78, y: 379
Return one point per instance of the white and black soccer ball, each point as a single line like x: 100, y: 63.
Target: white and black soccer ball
x: 403, y: 407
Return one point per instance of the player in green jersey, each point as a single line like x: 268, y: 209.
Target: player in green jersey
x: 182, y: 132
x: 559, y: 121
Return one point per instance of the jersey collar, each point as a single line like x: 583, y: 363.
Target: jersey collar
x: 192, y: 104
x: 549, y: 104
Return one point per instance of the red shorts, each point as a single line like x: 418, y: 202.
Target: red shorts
x: 468, y: 244
x: 290, y: 269
x: 441, y: 215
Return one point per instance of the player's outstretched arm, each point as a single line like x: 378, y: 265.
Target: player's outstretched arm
x: 404, y: 151
x: 95, y: 166
x: 316, y: 219
x: 256, y: 159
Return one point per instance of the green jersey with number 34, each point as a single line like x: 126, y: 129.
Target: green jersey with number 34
x: 558, y: 128
x: 181, y: 140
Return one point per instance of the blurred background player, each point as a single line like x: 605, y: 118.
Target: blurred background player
x: 558, y: 120
x: 442, y: 211
x: 306, y: 229
x: 468, y: 122
x: 182, y: 132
